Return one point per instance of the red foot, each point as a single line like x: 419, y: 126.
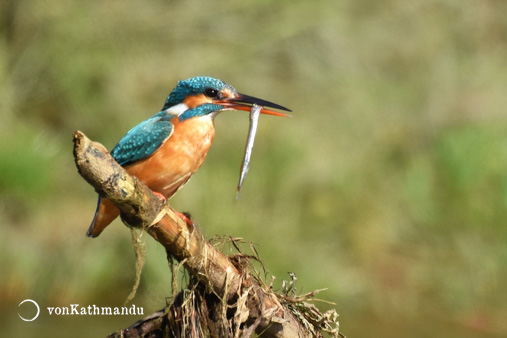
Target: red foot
x: 186, y: 217
x: 183, y: 215
x: 159, y: 195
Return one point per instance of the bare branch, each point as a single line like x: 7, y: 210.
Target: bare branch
x: 141, y: 208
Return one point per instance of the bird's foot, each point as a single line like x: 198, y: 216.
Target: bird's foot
x: 190, y: 226
x: 187, y: 218
x: 183, y: 215
x: 159, y: 195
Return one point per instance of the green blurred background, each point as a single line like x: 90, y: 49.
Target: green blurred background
x: 388, y: 187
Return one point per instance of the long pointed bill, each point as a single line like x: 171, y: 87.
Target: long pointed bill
x: 245, y: 102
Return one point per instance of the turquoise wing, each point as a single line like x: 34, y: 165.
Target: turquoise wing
x: 142, y: 140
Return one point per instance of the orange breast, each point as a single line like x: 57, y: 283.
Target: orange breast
x: 172, y: 165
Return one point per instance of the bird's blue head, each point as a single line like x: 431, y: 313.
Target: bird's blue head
x: 200, y: 96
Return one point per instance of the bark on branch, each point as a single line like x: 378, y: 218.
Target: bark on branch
x: 215, y: 271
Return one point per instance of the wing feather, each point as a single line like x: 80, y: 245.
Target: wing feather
x: 142, y: 140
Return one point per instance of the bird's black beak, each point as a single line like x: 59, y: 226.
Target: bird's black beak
x: 245, y: 102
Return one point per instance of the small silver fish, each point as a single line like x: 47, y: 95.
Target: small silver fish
x: 254, y: 118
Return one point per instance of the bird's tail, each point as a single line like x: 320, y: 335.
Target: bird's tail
x: 106, y: 213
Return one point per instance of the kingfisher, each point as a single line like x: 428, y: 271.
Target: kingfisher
x: 165, y: 150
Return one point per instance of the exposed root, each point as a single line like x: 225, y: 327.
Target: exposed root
x: 308, y: 314
x: 140, y: 253
x: 197, y: 311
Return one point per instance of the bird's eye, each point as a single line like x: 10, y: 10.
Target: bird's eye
x: 211, y: 92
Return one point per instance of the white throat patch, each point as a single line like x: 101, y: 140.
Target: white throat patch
x: 177, y: 110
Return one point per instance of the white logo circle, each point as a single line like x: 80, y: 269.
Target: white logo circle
x: 36, y: 305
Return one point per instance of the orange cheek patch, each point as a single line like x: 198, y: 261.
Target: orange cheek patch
x: 196, y: 100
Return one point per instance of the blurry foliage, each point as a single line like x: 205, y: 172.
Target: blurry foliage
x: 389, y: 185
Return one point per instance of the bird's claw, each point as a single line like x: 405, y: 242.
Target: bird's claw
x: 160, y: 196
x: 185, y: 216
